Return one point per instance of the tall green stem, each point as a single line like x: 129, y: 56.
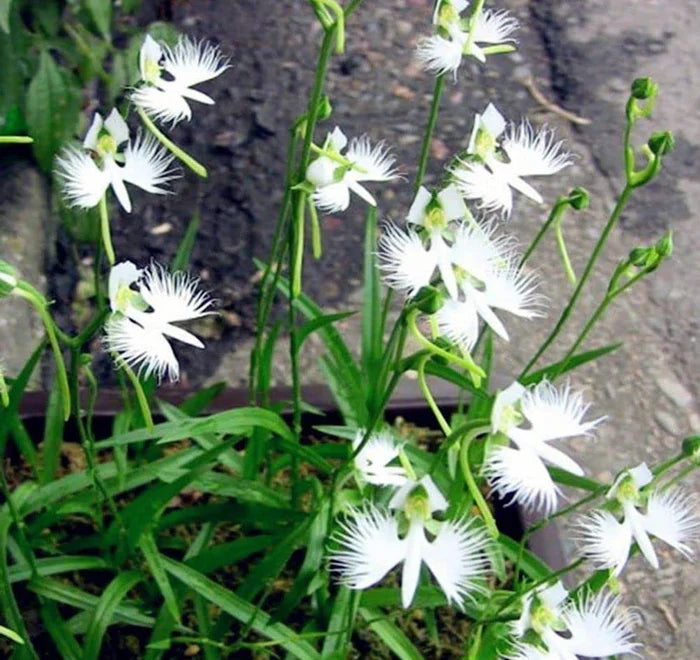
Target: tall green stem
x: 471, y: 482
x: 193, y: 164
x: 105, y: 231
x: 429, y: 397
x: 592, y: 260
x: 430, y: 127
x: 15, y: 139
x: 554, y: 215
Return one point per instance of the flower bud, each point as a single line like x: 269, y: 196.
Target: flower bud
x: 691, y: 448
x: 428, y: 300
x: 644, y: 88
x: 662, y: 143
x: 664, y: 246
x: 325, y: 109
x: 638, y: 257
x: 579, y: 198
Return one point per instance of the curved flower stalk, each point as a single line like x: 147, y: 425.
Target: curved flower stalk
x: 497, y: 160
x: 142, y: 318
x: 373, y: 460
x: 455, y: 38
x: 667, y: 515
x: 110, y: 158
x: 334, y: 174
x: 553, y: 414
x: 483, y: 275
x: 168, y: 76
x: 373, y: 542
x: 594, y: 625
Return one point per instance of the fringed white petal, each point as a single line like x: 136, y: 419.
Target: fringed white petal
x: 405, y: 263
x: 533, y: 153
x: 162, y: 105
x: 370, y: 163
x: 670, y: 516
x: 332, y: 198
x: 504, y: 400
x: 145, y: 350
x: 123, y: 274
x: 439, y: 55
x: 521, y: 475
x: 374, y: 458
x: 604, y: 540
x: 481, y: 250
x: 476, y: 182
x: 556, y: 413
x: 528, y: 652
x: 147, y: 165
x: 457, y: 560
x: 495, y: 27
x: 515, y: 291
x: 599, y: 627
x: 83, y: 183
x: 369, y: 548
x: 191, y: 62
x: 173, y: 296
x: 458, y: 321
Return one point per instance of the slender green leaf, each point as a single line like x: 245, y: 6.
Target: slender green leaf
x: 390, y: 634
x: 225, y: 554
x: 242, y: 610
x: 572, y: 363
x: 24, y: 443
x: 5, y: 6
x: 61, y: 635
x: 182, y: 257
x: 56, y: 565
x: 149, y: 548
x: 239, y: 420
x: 108, y: 602
x: 11, y: 634
x: 574, y: 480
x: 318, y: 323
x: 53, y: 435
x: 196, y: 403
x: 341, y: 624
x: 372, y: 330
x: 531, y: 565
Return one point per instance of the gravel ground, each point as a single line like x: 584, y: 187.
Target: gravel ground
x: 582, y: 54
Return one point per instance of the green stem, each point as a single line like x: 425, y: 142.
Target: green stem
x: 475, y: 371
x: 297, y: 245
x: 429, y: 397
x: 316, y: 246
x: 138, y: 389
x: 105, y: 231
x: 430, y: 127
x: 471, y: 483
x: 557, y: 210
x: 679, y: 477
x: 592, y: 260
x: 89, y: 331
x: 15, y: 139
x: 563, y: 253
x: 194, y: 165
x: 4, y: 392
x: 473, y: 18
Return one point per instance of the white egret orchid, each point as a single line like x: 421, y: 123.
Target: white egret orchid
x: 334, y: 174
x: 434, y: 212
x: 443, y: 52
x: 497, y: 161
x: 669, y: 515
x: 520, y: 472
x: 594, y: 625
x: 143, y: 318
x: 110, y: 158
x: 169, y: 74
x: 373, y: 542
x: 373, y: 459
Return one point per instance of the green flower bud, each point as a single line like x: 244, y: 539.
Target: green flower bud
x: 8, y: 278
x: 664, y: 246
x: 644, y: 88
x: 579, y: 198
x: 639, y: 256
x: 662, y: 143
x: 428, y: 300
x: 325, y: 109
x: 691, y: 448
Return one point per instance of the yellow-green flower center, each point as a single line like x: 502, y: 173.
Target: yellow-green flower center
x: 627, y: 490
x: 106, y: 144
x: 435, y: 218
x: 151, y: 71
x: 463, y: 276
x: 448, y: 14
x: 510, y: 417
x: 485, y: 143
x: 417, y: 506
x: 542, y: 618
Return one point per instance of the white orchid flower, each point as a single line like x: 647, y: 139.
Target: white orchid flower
x: 168, y: 76
x: 434, y: 212
x: 498, y: 160
x: 110, y: 158
x: 143, y: 318
x: 594, y: 626
x: 443, y: 52
x: 669, y: 515
x: 552, y: 414
x: 373, y: 459
x: 334, y: 174
x: 371, y: 544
